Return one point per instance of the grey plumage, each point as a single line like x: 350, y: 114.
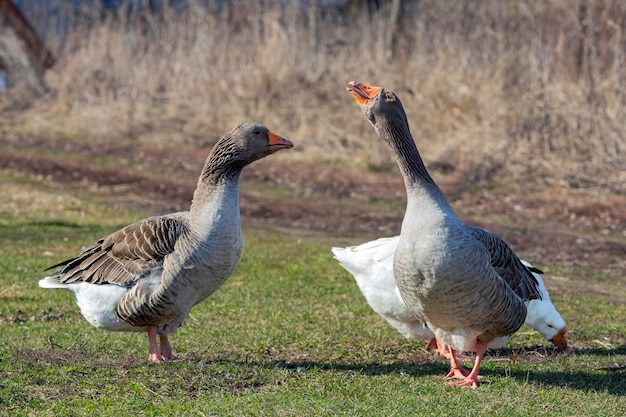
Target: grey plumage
x: 148, y: 275
x: 465, y: 283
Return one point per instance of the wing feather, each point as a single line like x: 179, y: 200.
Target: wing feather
x: 518, y: 276
x: 127, y: 254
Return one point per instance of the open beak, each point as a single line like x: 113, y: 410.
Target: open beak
x: 276, y: 143
x: 362, y: 93
x: 560, y: 341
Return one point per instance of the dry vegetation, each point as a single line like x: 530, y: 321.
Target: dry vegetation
x: 534, y: 88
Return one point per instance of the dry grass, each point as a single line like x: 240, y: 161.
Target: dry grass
x: 534, y: 88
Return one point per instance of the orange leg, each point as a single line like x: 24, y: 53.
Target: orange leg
x: 433, y: 344
x: 472, y: 379
x: 456, y: 371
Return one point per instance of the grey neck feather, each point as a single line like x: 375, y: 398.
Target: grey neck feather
x: 225, y: 162
x: 423, y: 194
x: 222, y: 170
x: 408, y: 157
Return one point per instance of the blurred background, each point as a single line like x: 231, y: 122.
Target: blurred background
x: 494, y: 90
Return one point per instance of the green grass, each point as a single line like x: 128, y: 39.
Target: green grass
x: 288, y: 335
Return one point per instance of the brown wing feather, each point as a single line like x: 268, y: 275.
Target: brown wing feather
x: 124, y: 256
x: 506, y: 263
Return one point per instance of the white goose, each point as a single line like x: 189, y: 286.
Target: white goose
x: 148, y: 275
x: 371, y: 265
x: 464, y: 283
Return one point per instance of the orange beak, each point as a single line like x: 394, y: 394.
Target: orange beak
x: 277, y: 143
x: 362, y: 93
x: 560, y: 341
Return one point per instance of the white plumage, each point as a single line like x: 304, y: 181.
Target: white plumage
x: 371, y: 265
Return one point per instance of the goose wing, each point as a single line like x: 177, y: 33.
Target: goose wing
x: 124, y: 256
x: 516, y: 274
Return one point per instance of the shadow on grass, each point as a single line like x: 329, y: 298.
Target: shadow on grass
x: 621, y: 350
x: 575, y: 376
x: 612, y: 382
x: 373, y: 369
x: 611, y: 379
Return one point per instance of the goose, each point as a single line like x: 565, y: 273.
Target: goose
x: 371, y: 265
x: 148, y: 275
x: 465, y: 283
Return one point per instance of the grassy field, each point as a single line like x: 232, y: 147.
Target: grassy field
x: 518, y: 111
x: 288, y: 334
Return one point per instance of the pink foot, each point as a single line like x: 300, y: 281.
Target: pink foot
x: 471, y: 381
x: 155, y: 353
x: 467, y: 383
x: 159, y: 354
x: 455, y: 370
x: 438, y: 347
x: 166, y: 349
x: 457, y: 373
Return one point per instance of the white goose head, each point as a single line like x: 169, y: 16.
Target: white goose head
x: 543, y: 317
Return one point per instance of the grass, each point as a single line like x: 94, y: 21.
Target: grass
x: 289, y: 334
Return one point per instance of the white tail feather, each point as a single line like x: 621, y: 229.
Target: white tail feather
x: 53, y: 281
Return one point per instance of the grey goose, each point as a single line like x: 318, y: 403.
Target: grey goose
x: 465, y: 283
x: 148, y: 275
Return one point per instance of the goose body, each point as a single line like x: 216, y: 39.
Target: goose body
x: 464, y: 283
x: 371, y: 265
x: 148, y: 275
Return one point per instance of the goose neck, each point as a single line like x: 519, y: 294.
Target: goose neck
x: 214, y: 190
x: 408, y: 157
